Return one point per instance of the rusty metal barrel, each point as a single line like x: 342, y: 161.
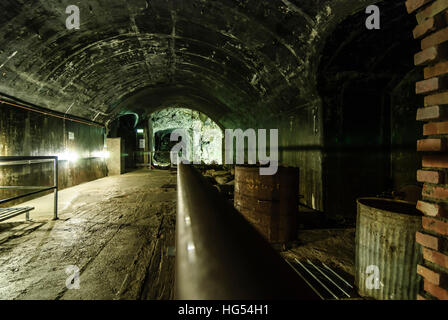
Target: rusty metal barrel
x: 386, y: 252
x: 269, y: 203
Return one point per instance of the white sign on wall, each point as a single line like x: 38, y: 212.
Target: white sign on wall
x: 71, y: 136
x: 142, y: 143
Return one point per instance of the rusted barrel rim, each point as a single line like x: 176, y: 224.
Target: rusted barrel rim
x: 413, y: 211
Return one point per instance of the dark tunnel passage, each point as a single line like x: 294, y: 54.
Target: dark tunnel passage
x: 367, y: 87
x: 88, y: 113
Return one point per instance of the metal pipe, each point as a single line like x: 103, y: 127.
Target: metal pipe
x: 219, y: 255
x: 20, y: 158
x: 23, y: 187
x: 16, y: 160
x: 55, y: 182
x: 54, y: 114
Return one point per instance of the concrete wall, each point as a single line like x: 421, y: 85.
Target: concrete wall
x: 300, y: 145
x: 124, y: 127
x: 26, y: 133
x: 116, y: 160
x: 405, y: 131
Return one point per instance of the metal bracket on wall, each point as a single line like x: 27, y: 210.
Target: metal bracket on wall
x: 315, y: 120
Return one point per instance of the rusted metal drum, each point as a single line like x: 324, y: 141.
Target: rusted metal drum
x: 269, y: 203
x: 386, y: 252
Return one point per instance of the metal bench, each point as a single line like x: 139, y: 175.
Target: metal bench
x: 8, y: 213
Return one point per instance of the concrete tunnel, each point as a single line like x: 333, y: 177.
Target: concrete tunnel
x: 105, y: 96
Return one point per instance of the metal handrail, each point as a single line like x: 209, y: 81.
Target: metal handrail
x: 220, y: 256
x: 15, y: 160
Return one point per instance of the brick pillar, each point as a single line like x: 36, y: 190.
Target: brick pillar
x: 432, y: 32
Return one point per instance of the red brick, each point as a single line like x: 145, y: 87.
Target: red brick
x: 435, y: 257
x: 421, y: 298
x: 423, y: 29
x: 430, y: 25
x: 436, y: 99
x: 435, y: 225
x: 412, y: 5
x: 428, y: 85
x: 432, y: 113
x: 436, y: 70
x: 427, y: 56
x: 435, y: 192
x: 428, y: 176
x: 435, y: 128
x: 431, y: 209
x: 428, y: 274
x: 435, y: 291
x: 430, y: 11
x: 428, y: 241
x: 435, y: 161
x: 435, y: 39
x: 431, y: 145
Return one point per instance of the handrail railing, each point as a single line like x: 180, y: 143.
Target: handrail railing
x: 14, y: 160
x: 220, y: 256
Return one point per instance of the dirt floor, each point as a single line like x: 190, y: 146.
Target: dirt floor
x: 119, y: 232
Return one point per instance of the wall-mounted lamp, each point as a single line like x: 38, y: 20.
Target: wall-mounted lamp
x: 140, y: 131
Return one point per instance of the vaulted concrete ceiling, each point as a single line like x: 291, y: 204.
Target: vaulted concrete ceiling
x: 235, y: 60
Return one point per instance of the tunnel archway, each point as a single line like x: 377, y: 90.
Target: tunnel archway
x: 251, y: 59
x: 368, y: 94
x: 205, y: 135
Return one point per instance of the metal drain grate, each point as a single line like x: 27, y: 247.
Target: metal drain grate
x: 326, y: 282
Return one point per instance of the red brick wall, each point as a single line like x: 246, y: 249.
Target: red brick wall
x: 432, y: 32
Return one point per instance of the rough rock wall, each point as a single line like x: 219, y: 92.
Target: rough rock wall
x: 206, y: 136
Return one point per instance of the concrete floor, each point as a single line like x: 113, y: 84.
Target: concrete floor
x: 117, y: 230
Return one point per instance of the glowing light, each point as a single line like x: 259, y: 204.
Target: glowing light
x: 191, y: 247
x: 191, y: 252
x: 68, y: 156
x: 140, y: 131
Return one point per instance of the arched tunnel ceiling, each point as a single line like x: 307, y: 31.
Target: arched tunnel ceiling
x: 231, y: 59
